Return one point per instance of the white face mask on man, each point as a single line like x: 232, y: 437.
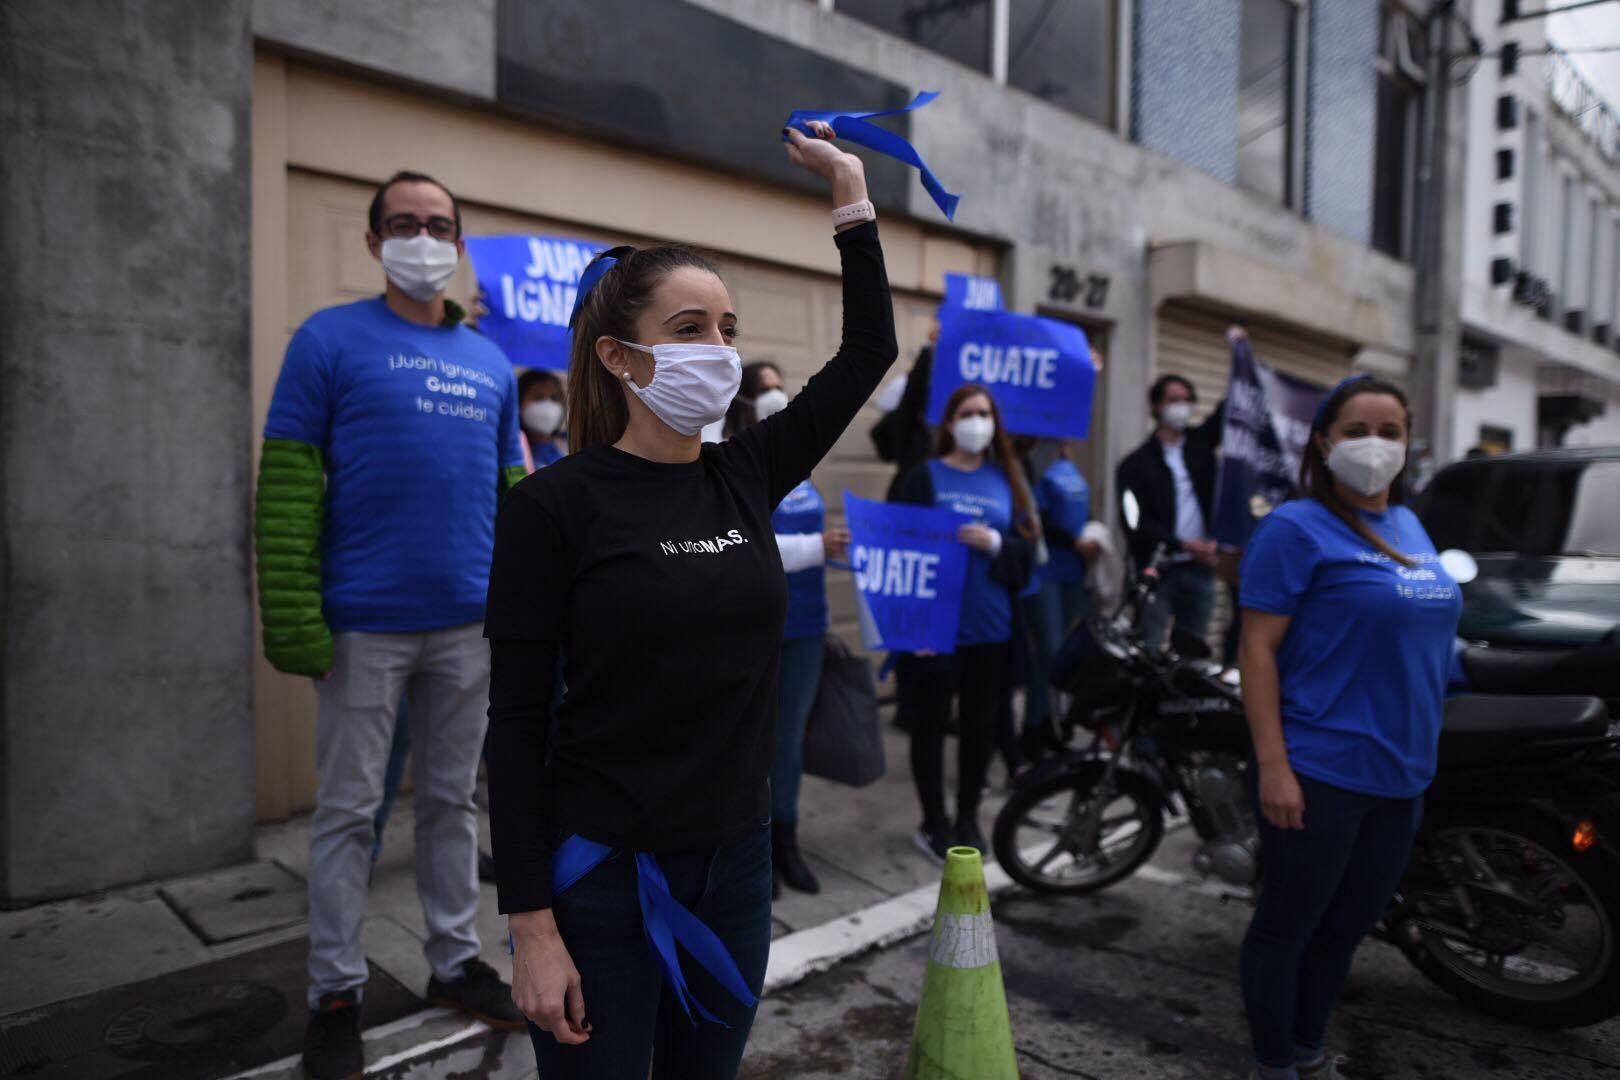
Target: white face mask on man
x: 1367, y: 465
x: 973, y: 433
x: 420, y: 265
x: 692, y: 384
x: 1176, y: 415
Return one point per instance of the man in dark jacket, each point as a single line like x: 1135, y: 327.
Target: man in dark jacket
x: 1172, y: 475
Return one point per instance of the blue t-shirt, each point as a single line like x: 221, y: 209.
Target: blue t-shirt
x: 983, y: 494
x: 1364, y: 663
x: 545, y: 453
x: 803, y: 512
x: 1064, y: 500
x: 415, y: 424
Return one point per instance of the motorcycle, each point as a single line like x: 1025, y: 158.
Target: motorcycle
x: 1511, y: 901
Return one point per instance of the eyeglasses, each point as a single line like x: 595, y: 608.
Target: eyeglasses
x: 405, y: 226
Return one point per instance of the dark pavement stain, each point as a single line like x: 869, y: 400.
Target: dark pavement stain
x: 1126, y: 1019
x: 830, y: 986
x: 886, y: 1021
x: 1184, y: 1009
x: 818, y: 1053
x: 1097, y: 932
x: 1159, y: 1046
x: 1492, y: 1057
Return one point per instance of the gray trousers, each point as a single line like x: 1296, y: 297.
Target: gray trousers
x: 447, y: 675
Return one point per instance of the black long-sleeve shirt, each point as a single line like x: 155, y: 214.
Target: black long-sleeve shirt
x: 662, y: 587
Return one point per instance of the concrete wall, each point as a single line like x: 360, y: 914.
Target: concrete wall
x: 125, y: 736
x: 1510, y: 404
x: 1341, y: 115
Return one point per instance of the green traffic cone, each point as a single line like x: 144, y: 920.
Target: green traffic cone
x: 963, y: 1032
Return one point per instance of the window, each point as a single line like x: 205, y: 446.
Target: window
x: 959, y: 29
x: 1525, y: 508
x: 1266, y: 98
x: 1063, y: 51
x: 1401, y: 76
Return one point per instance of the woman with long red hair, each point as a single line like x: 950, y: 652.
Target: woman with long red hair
x: 974, y: 472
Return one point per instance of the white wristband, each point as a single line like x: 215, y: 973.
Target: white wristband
x: 858, y: 211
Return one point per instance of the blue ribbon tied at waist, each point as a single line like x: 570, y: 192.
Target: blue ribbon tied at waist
x: 664, y: 921
x: 858, y: 129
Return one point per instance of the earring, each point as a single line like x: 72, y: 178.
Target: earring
x: 625, y: 375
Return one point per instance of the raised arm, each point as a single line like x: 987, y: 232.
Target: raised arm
x: 791, y: 443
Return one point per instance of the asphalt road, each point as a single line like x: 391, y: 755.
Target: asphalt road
x: 1142, y: 982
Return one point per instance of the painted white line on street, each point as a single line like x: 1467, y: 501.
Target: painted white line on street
x: 477, y: 1027
x: 807, y: 952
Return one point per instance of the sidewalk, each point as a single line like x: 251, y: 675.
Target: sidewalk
x: 203, y: 976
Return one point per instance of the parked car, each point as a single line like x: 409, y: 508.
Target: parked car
x: 1544, y: 527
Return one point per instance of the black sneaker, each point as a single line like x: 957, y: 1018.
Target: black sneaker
x: 968, y: 835
x: 486, y: 867
x: 332, y: 1047
x: 934, y: 843
x: 480, y: 993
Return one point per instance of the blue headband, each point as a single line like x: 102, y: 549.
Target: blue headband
x: 1321, y: 410
x: 587, y: 281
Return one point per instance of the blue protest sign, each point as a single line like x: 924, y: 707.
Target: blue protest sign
x: 529, y: 284
x: 1268, y: 421
x: 1039, y: 370
x: 972, y: 291
x: 909, y: 569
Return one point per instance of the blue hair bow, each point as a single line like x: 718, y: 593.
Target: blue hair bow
x: 858, y: 129
x: 1321, y: 409
x: 587, y: 281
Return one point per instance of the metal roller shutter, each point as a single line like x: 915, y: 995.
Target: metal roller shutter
x: 1192, y: 343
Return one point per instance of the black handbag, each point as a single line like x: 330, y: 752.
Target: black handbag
x: 843, y: 739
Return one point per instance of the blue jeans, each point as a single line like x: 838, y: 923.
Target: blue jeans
x: 633, y: 1017
x: 1322, y: 889
x: 1186, y: 591
x: 1052, y: 612
x: 796, y: 686
x: 397, y: 753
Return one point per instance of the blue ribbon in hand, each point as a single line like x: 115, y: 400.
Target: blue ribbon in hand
x: 858, y: 129
x: 664, y: 921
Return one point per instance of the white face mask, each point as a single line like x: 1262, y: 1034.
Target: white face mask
x: 543, y: 417
x: 1367, y: 465
x: 973, y: 433
x: 421, y: 266
x: 692, y: 385
x: 1176, y: 415
x: 770, y: 403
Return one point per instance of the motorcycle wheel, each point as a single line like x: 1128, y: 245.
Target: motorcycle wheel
x: 1555, y: 964
x: 1040, y: 835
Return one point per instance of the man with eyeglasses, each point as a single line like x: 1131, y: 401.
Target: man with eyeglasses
x: 392, y: 432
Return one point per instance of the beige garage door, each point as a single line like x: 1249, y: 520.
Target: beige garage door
x: 1192, y: 343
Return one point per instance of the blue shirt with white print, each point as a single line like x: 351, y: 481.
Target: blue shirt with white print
x: 414, y: 424
x: 1364, y: 663
x: 985, y: 495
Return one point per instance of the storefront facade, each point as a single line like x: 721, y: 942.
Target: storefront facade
x: 1125, y: 198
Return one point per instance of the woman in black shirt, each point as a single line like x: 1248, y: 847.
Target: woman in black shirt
x: 648, y: 561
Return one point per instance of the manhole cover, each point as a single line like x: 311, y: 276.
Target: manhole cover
x: 198, y: 1021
